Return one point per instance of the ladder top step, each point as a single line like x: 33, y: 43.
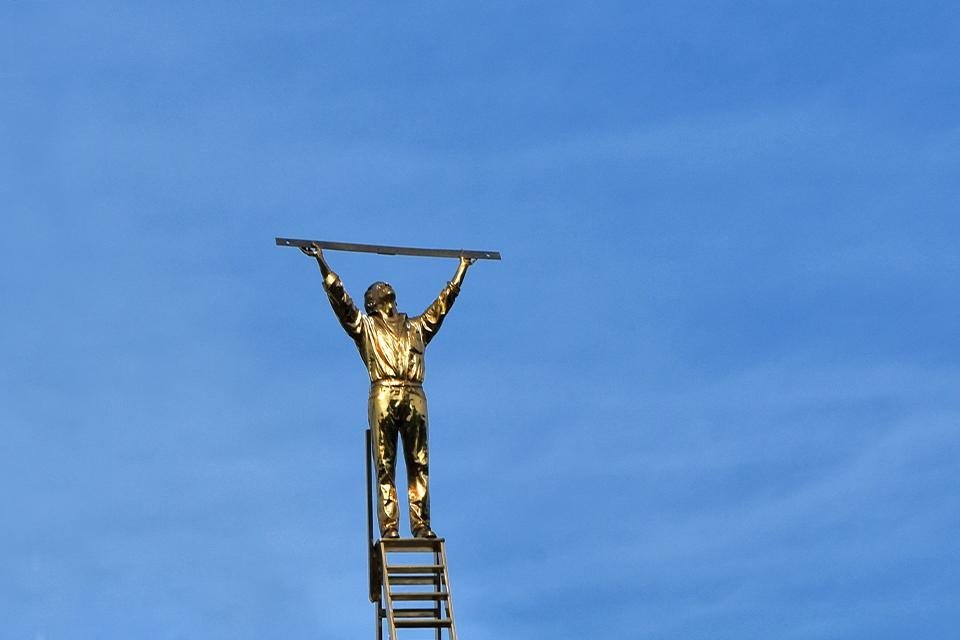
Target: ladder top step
x: 405, y: 543
x: 412, y: 540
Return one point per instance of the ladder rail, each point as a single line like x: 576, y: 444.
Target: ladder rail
x: 387, y: 591
x: 438, y: 586
x: 449, y: 601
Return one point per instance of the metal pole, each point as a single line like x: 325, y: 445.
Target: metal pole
x: 372, y: 562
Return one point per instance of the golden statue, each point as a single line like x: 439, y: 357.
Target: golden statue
x: 392, y: 345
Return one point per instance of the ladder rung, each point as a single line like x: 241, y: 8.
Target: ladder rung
x: 423, y: 624
x: 413, y: 613
x: 433, y: 595
x: 413, y: 580
x: 414, y: 568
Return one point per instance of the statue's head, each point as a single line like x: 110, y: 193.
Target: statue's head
x: 380, y: 298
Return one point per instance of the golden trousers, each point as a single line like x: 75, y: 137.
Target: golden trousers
x: 400, y: 409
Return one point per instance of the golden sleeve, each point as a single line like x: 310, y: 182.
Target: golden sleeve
x: 347, y: 313
x: 431, y: 319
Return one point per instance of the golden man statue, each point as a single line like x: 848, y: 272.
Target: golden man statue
x: 392, y: 345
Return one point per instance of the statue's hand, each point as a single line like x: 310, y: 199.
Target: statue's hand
x: 466, y: 262
x: 314, y: 251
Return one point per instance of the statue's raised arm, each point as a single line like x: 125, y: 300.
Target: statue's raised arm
x: 343, y: 307
x: 431, y: 319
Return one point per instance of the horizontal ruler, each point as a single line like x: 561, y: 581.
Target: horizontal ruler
x: 388, y: 250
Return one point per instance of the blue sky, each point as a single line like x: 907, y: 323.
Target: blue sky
x: 712, y: 390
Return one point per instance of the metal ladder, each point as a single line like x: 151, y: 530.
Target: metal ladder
x: 414, y: 572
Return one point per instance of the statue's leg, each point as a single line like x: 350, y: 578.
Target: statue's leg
x: 413, y: 430
x: 382, y: 416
